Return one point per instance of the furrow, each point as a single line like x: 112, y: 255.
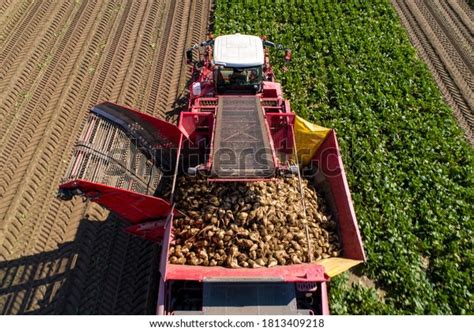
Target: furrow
x: 64, y: 125
x: 443, y: 29
x: 67, y: 257
x: 158, y: 62
x: 9, y: 24
x: 144, y: 46
x: 17, y: 48
x: 455, y: 98
x: 42, y: 109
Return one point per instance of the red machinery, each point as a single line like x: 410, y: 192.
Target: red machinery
x: 238, y: 127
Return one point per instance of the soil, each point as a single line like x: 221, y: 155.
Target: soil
x: 366, y: 282
x: 58, y: 59
x: 442, y: 33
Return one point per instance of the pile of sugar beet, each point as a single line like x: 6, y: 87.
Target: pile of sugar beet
x: 251, y: 224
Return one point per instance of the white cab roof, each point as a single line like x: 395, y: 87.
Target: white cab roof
x: 238, y: 50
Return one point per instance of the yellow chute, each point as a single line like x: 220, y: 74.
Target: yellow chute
x: 336, y: 265
x: 308, y: 138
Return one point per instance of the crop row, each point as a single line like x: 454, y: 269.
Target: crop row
x: 409, y: 169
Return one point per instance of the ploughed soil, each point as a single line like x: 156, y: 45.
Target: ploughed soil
x: 441, y: 31
x: 58, y: 59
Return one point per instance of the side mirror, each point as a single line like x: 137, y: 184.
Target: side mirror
x: 287, y: 55
x: 189, y: 56
x: 287, y: 59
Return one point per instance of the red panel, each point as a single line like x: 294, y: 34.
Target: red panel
x: 150, y: 230
x: 134, y: 207
x: 282, y: 138
x: 324, y: 300
x: 190, y: 121
x: 329, y: 160
x: 271, y: 90
x: 292, y: 273
x: 162, y: 289
x: 170, y: 131
x: 288, y: 117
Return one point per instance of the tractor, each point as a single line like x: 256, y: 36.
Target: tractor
x: 237, y: 127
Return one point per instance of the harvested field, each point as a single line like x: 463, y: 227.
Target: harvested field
x: 58, y: 59
x: 442, y: 34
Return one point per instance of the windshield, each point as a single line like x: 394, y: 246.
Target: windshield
x: 239, y: 76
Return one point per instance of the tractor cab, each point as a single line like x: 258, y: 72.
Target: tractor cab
x: 238, y: 64
x: 232, y: 64
x: 238, y: 80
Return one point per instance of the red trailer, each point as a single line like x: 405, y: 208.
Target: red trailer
x: 238, y: 127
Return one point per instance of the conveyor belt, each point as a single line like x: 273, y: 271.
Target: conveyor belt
x: 241, y: 143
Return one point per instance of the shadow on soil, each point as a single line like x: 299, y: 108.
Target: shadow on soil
x: 103, y: 271
x: 181, y: 102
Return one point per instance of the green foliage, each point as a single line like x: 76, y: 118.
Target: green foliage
x: 409, y: 169
x: 356, y: 299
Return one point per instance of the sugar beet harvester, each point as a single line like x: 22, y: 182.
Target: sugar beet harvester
x: 238, y: 127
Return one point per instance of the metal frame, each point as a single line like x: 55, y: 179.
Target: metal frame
x: 134, y: 207
x: 152, y: 217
